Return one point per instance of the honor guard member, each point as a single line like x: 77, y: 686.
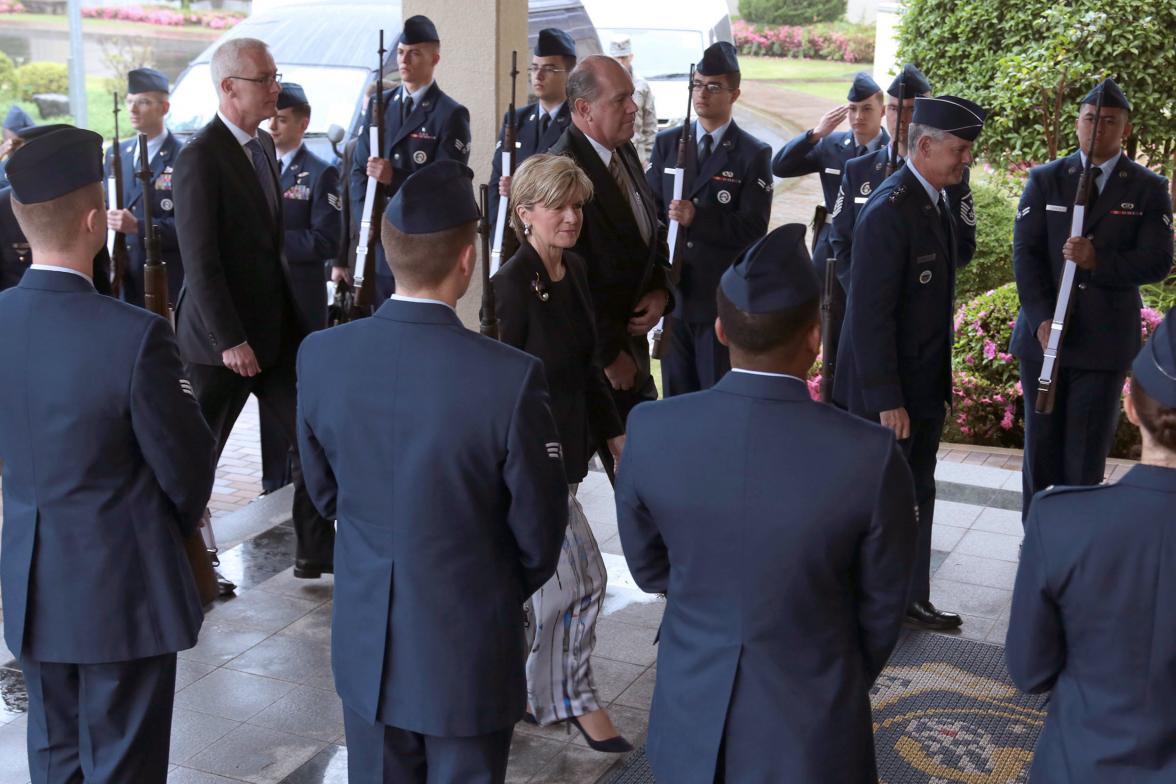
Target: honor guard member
x: 1128, y: 242
x: 1092, y: 619
x: 863, y: 175
x: 727, y: 200
x: 645, y: 123
x: 15, y: 121
x: 147, y: 105
x: 895, y: 352
x: 106, y: 467
x: 785, y: 583
x: 421, y: 125
x: 451, y: 512
x: 15, y: 252
x: 540, y: 124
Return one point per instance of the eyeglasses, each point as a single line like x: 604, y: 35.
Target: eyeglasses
x: 141, y: 103
x: 546, y: 70
x: 264, y: 81
x: 714, y: 88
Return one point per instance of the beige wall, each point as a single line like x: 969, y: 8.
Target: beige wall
x: 477, y: 37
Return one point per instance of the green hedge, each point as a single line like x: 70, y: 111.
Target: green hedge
x: 7, y: 76
x: 41, y: 77
x: 992, y: 266
x: 791, y: 12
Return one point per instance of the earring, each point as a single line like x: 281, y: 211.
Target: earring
x: 526, y: 230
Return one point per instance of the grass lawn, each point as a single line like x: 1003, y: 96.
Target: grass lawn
x: 99, y: 107
x: 824, y: 78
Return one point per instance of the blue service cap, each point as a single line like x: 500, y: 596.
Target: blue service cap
x: 772, y: 275
x: 54, y: 164
x: 553, y: 42
x: 958, y: 116
x: 718, y: 59
x: 292, y: 95
x: 437, y: 197
x: 1155, y: 366
x: 146, y: 80
x: 863, y: 87
x: 916, y: 83
x: 419, y: 29
x: 17, y: 119
x: 1113, y: 97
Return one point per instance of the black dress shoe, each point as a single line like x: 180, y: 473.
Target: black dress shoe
x: 925, y: 616
x: 227, y: 586
x: 311, y: 570
x: 614, y: 745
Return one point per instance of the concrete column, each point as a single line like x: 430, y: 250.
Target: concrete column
x: 886, y: 41
x: 477, y: 37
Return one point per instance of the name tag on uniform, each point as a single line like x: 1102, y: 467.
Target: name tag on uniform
x: 1056, y: 208
x: 832, y: 171
x: 860, y: 199
x: 930, y: 257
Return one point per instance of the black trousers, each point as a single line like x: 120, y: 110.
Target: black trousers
x: 382, y: 754
x: 920, y: 451
x: 694, y: 358
x: 104, y: 723
x: 275, y: 452
x: 222, y: 394
x: 1069, y: 446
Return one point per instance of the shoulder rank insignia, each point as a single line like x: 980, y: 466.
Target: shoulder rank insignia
x: 1167, y: 219
x: 837, y: 205
x: 968, y: 211
x: 897, y: 194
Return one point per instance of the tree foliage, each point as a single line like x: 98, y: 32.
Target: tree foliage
x: 791, y: 12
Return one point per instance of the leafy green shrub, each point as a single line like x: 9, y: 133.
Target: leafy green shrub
x: 41, y: 77
x: 7, y: 76
x: 1160, y: 296
x: 791, y: 12
x: 992, y: 266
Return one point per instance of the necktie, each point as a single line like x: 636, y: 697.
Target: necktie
x: 264, y: 177
x: 407, y: 109
x: 860, y: 151
x: 617, y: 170
x: 948, y: 224
x: 544, y: 124
x: 281, y: 167
x: 1095, y: 173
x: 704, y: 148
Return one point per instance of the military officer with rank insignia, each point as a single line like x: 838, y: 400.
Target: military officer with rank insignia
x: 727, y: 198
x: 539, y: 124
x: 147, y: 105
x: 895, y: 352
x: 863, y: 175
x: 1128, y: 242
x: 1091, y: 619
x: 421, y: 125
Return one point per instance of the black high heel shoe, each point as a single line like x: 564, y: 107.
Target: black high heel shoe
x: 614, y: 745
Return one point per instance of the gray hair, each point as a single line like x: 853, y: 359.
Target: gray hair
x: 227, y: 59
x: 584, y: 81
x: 916, y: 131
x: 551, y: 180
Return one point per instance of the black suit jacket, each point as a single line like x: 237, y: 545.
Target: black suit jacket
x: 236, y: 283
x: 622, y: 267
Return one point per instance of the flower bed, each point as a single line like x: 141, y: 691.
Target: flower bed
x: 833, y: 41
x: 165, y: 17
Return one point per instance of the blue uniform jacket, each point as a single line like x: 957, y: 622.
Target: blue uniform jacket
x: 163, y: 208
x: 528, y: 141
x: 785, y: 584
x: 450, y: 513
x: 861, y: 177
x: 1093, y: 619
x: 1131, y: 226
x: 732, y: 197
x: 310, y: 217
x: 895, y: 348
x: 438, y: 129
x: 826, y: 156
x: 107, y: 462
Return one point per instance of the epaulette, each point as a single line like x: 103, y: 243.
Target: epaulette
x: 898, y: 194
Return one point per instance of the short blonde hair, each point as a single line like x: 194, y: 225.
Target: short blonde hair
x: 550, y: 180
x: 55, y: 225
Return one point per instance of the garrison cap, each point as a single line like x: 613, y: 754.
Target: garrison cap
x: 35, y: 131
x: 958, y: 116
x: 718, y: 59
x: 916, y: 83
x: 1155, y: 366
x: 54, y: 164
x: 863, y: 87
x: 1113, y: 97
x: 621, y: 46
x: 146, y: 80
x: 437, y: 197
x: 17, y: 119
x: 553, y: 42
x: 772, y: 275
x: 292, y: 95
x: 419, y: 29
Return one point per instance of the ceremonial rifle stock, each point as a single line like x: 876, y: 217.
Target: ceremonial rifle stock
x: 116, y: 241
x: 508, y: 148
x: 489, y: 311
x: 155, y: 299
x: 1047, y: 381
x: 899, y: 129
x: 828, y: 349
x: 373, y: 202
x: 679, y: 171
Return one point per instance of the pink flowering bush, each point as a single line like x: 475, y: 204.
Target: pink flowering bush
x: 836, y: 41
x: 11, y: 8
x: 164, y: 17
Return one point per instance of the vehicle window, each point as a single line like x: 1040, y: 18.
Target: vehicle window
x: 659, y: 54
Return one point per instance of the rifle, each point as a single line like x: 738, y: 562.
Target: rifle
x: 828, y: 349
x: 508, y: 148
x: 899, y: 129
x: 116, y: 241
x: 373, y: 202
x: 155, y: 300
x: 488, y: 312
x: 342, y: 305
x: 1047, y: 380
x: 679, y: 171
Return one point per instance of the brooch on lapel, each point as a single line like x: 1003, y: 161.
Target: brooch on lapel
x: 540, y: 290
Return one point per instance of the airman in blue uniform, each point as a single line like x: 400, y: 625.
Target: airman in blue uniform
x: 1127, y: 242
x: 895, y: 352
x: 147, y: 105
x: 725, y: 204
x: 1092, y: 619
x: 15, y: 121
x: 421, y: 125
